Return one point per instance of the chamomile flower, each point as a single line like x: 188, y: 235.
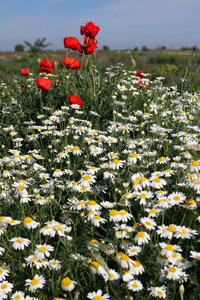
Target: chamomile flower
x: 135, y: 285
x: 6, y: 286
x: 96, y: 220
x: 166, y: 231
x: 174, y: 273
x: 43, y: 250
x: 133, y: 250
x: 111, y: 275
x: 3, y: 273
x: 76, y: 150
x: 158, y: 183
x: 159, y: 292
x: 168, y: 249
x: 148, y: 223
x: 143, y: 196
x: 116, y: 164
x: 142, y: 237
x: 18, y: 295
x: 96, y: 268
x: 29, y: 223
x: 185, y: 233
x: 124, y: 260
x: 87, y: 180
x: 20, y: 243
x: 98, y: 296
x: 57, y: 173
x: 36, y: 283
x: 54, y: 264
x: 176, y: 198
x: 67, y: 284
x: 115, y: 216
x: 136, y: 268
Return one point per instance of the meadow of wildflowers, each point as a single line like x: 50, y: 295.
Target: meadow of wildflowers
x: 99, y: 183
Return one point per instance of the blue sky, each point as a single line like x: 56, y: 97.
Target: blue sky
x: 125, y: 24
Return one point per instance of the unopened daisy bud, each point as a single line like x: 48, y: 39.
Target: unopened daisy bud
x: 82, y: 214
x: 68, y: 229
x: 3, y: 146
x: 51, y: 197
x: 35, y: 191
x: 125, y: 184
x: 23, y: 265
x: 181, y: 291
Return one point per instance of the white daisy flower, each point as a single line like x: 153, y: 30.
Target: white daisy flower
x: 142, y: 237
x: 98, y: 295
x: 36, y: 283
x: 20, y: 243
x: 135, y: 285
x: 43, y: 250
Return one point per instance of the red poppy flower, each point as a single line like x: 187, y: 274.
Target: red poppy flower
x: 46, y: 66
x: 4, y: 75
x: 71, y: 42
x: 90, y: 30
x: 73, y: 99
x: 87, y: 49
x: 88, y: 41
x: 71, y: 63
x: 25, y: 71
x: 43, y: 83
x: 139, y: 74
x: 23, y: 88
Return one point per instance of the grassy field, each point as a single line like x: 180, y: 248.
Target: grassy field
x: 170, y: 64
x: 100, y: 177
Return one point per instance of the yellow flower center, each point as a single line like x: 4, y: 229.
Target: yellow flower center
x: 135, y: 285
x: 170, y: 228
x: 76, y: 148
x: 116, y: 161
x: 124, y: 257
x: 28, y: 220
x: 157, y: 180
x: 87, y: 177
x: 182, y: 231
x: 189, y: 202
x: 177, y: 198
x: 95, y: 265
x: 136, y: 264
x: 98, y: 298
x: 132, y: 155
x: 169, y: 248
x: 66, y: 281
x: 140, y: 234
x: 96, y: 217
x: 195, y: 163
x: 113, y: 213
x: 42, y: 249
x: 35, y: 281
x: 143, y: 196
x: 172, y: 270
x: 4, y: 286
